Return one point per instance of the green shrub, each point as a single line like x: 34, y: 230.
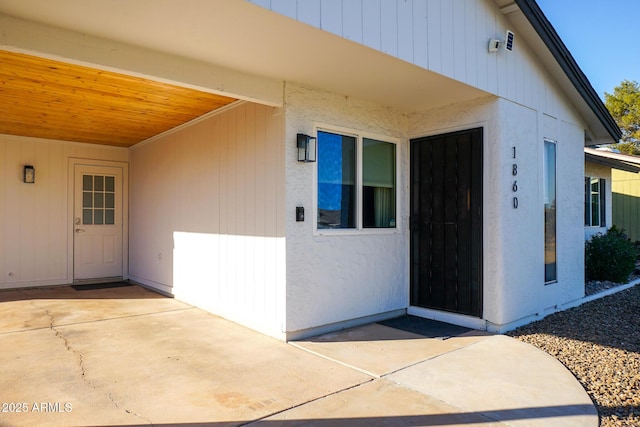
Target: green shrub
x: 611, y: 256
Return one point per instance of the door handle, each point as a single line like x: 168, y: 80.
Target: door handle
x: 79, y: 230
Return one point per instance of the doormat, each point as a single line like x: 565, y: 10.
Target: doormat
x: 100, y: 286
x: 426, y: 327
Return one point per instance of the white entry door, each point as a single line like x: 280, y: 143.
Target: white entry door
x: 97, y: 223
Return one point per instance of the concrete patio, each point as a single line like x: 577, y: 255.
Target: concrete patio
x: 128, y: 356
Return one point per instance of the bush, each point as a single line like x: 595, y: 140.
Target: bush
x: 611, y: 256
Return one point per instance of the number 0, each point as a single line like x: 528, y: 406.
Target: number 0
x: 515, y: 203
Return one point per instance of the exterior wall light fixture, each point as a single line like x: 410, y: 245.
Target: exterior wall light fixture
x: 495, y: 44
x: 29, y: 175
x: 306, y: 148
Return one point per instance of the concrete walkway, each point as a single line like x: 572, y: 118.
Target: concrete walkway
x: 128, y: 356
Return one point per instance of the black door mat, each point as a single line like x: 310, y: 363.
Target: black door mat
x: 95, y: 286
x: 426, y: 327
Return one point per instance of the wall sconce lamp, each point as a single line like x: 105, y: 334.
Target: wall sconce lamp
x: 29, y: 176
x: 306, y: 148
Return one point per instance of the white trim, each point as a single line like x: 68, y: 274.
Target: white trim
x: 161, y: 288
x: 600, y: 196
x: 188, y: 124
x: 616, y: 156
x: 64, y: 142
x: 35, y: 284
x: 506, y: 327
x: 555, y: 184
x: 124, y: 166
x: 359, y: 230
x: 604, y: 293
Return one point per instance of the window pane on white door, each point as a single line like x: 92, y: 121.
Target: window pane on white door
x: 98, y: 200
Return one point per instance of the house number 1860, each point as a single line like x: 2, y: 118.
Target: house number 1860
x: 514, y: 186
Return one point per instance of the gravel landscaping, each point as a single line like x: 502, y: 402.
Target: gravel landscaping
x: 599, y: 342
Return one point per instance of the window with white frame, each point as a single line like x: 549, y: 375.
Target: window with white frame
x: 549, y: 176
x: 594, y: 202
x: 356, y: 185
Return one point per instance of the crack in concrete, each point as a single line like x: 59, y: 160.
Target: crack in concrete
x: 81, y: 362
x: 78, y: 355
x: 129, y: 411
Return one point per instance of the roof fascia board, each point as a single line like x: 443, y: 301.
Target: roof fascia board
x: 610, y: 155
x: 614, y: 164
x: 556, y: 46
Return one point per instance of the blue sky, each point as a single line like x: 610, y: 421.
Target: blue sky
x: 602, y: 35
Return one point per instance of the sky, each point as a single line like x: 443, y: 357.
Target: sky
x: 602, y: 35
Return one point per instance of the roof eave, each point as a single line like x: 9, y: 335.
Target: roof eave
x: 614, y: 164
x: 549, y: 36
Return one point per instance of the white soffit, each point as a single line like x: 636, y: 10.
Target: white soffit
x: 241, y: 36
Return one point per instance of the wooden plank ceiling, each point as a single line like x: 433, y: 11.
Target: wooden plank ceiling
x: 55, y: 100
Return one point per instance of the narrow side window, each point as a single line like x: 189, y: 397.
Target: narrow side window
x: 550, y: 249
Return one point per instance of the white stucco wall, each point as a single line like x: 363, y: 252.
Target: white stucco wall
x: 35, y: 220
x: 340, y: 278
x: 513, y: 239
x: 595, y: 170
x: 336, y: 278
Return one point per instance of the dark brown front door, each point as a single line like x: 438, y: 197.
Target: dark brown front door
x: 446, y: 222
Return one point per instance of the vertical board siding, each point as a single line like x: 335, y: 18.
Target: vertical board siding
x: 389, y: 28
x: 450, y: 24
x: 331, y: 16
x: 449, y: 37
x: 309, y: 12
x: 471, y: 29
x: 284, y: 7
x: 371, y: 31
x: 404, y: 24
x: 220, y: 190
x: 434, y: 34
x: 420, y: 37
x: 352, y: 22
x: 34, y: 218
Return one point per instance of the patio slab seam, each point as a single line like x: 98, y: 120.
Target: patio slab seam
x: 333, y: 393
x: 383, y: 375
x: 331, y: 359
x: 84, y: 322
x: 437, y: 356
